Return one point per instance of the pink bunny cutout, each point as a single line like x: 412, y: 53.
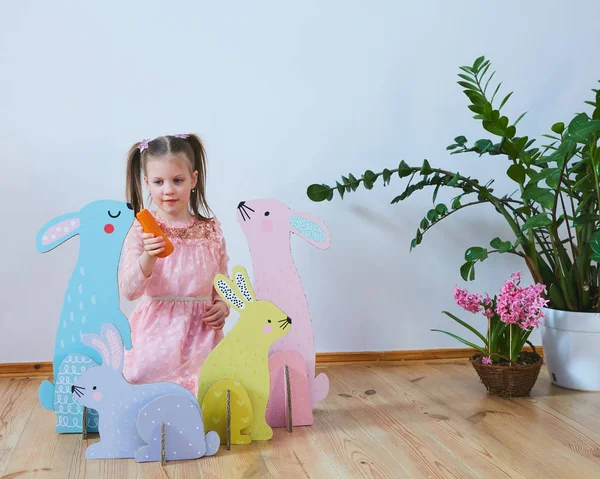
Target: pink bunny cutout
x: 267, y: 225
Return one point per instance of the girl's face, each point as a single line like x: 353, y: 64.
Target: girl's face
x: 170, y: 182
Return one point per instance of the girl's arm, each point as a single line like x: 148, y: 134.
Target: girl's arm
x: 135, y: 267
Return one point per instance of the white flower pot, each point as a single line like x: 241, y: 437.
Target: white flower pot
x: 571, y: 343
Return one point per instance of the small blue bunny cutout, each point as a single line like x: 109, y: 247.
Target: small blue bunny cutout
x: 92, y: 298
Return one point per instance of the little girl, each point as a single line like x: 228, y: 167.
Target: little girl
x: 180, y: 317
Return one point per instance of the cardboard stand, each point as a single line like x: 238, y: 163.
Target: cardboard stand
x: 131, y: 416
x: 268, y: 225
x: 241, y: 358
x: 92, y: 295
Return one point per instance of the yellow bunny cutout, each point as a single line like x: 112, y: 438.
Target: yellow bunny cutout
x: 243, y: 355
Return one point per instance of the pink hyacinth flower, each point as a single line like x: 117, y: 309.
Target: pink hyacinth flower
x: 470, y: 302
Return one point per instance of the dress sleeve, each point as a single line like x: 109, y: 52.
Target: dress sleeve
x: 223, y: 259
x: 132, y: 281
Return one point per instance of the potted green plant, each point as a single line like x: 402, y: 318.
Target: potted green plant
x: 501, y: 363
x: 553, y: 215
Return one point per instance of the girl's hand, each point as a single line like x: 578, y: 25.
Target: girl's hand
x: 153, y: 246
x: 215, y: 316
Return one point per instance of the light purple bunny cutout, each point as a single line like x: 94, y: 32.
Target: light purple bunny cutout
x: 267, y: 225
x: 131, y: 415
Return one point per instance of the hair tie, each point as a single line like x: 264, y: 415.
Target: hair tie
x: 181, y: 135
x: 143, y: 145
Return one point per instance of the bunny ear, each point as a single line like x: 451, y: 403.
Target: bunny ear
x: 226, y: 290
x: 95, y: 341
x: 243, y: 283
x: 113, y: 339
x: 57, y: 231
x: 310, y: 229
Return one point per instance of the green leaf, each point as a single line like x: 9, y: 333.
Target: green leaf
x: 419, y: 237
x: 551, y: 175
x: 460, y: 140
x: 452, y: 147
x: 483, y: 351
x: 387, y: 175
x: 426, y: 168
x: 493, y: 127
x: 582, y: 128
x: 476, y: 253
x: 517, y: 173
x: 478, y: 63
x: 468, y: 326
x: 557, y: 297
x: 501, y: 246
x: 476, y: 108
x: 495, y: 92
x: 466, y: 77
x: 519, y: 119
x: 543, y: 196
x: 454, y: 180
x: 504, y: 101
x: 424, y: 224
x: 347, y: 183
x: 353, y: 182
x: 441, y: 209
x: 558, y: 128
x: 404, y: 169
x: 537, y: 221
x: 595, y: 242
x: 476, y: 98
x: 467, y: 85
x: 467, y: 271
x: 369, y: 178
x: 483, y: 146
x: 456, y: 203
x: 318, y: 192
x: 585, y: 219
x: 340, y: 188
x: 432, y: 215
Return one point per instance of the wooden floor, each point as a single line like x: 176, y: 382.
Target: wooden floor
x: 405, y: 420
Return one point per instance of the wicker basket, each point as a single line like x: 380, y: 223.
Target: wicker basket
x: 509, y: 381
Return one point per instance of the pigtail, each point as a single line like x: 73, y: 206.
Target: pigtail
x: 133, y: 189
x: 198, y: 201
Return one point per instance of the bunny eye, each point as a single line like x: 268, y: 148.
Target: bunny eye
x: 267, y: 213
x: 114, y: 216
x: 269, y: 321
x: 94, y: 388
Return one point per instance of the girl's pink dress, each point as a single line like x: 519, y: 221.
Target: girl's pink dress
x: 170, y: 340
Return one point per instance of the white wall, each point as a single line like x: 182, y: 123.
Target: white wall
x: 284, y: 95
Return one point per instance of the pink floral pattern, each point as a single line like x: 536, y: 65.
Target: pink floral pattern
x: 170, y: 340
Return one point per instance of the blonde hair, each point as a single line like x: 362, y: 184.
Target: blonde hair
x: 194, y: 151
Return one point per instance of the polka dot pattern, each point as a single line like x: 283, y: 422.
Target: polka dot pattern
x: 240, y: 282
x: 230, y: 296
x: 308, y: 228
x: 59, y: 231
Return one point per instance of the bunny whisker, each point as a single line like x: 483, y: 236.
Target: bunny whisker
x: 244, y: 211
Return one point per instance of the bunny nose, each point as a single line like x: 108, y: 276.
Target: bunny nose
x: 289, y: 320
x: 129, y: 206
x: 72, y: 389
x: 241, y: 203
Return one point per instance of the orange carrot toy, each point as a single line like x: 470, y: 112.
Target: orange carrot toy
x: 151, y: 226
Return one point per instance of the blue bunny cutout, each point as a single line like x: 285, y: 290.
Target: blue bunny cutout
x: 92, y: 296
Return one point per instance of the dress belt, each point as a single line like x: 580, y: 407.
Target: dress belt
x: 179, y: 298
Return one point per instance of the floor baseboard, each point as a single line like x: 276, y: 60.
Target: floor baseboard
x: 42, y: 369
